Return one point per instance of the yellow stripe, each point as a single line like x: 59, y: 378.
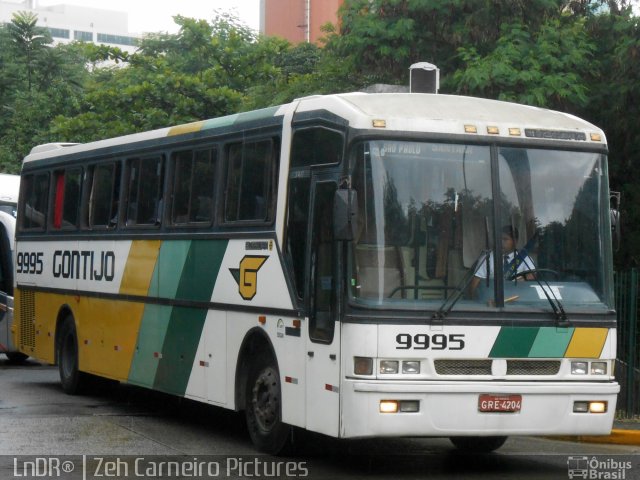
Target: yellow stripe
x: 140, y: 266
x: 107, y: 331
x: 587, y: 343
x: 188, y: 128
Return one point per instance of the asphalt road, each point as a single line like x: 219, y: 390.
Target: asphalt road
x: 119, y: 424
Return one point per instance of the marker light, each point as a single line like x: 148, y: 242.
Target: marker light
x: 409, y: 406
x: 470, y: 129
x: 589, y: 407
x: 596, y: 137
x: 379, y: 123
x: 579, y: 368
x: 493, y: 130
x: 388, y: 406
x: 362, y: 365
x: 515, y: 132
x: 580, y: 407
x: 598, y: 368
x: 411, y: 367
x: 389, y: 366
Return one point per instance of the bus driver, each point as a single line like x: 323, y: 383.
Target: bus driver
x: 514, y: 262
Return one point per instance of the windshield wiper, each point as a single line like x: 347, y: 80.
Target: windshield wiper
x: 554, y: 301
x: 440, y: 314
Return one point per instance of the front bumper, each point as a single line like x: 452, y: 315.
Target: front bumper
x: 451, y: 409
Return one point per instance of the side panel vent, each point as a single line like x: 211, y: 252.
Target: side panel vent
x: 27, y: 319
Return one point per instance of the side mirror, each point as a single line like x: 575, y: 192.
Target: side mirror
x: 345, y: 214
x: 614, y: 214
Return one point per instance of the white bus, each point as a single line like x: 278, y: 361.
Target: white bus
x: 318, y: 265
x: 9, y: 187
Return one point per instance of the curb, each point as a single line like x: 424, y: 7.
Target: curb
x: 617, y: 437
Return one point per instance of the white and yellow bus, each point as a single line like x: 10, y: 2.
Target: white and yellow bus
x: 317, y: 265
x: 9, y: 188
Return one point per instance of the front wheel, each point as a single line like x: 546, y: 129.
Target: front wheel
x: 264, y: 408
x: 478, y: 444
x: 72, y: 379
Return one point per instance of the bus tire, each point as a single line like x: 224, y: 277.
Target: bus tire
x: 478, y: 444
x: 16, y: 357
x: 263, y: 410
x: 72, y: 379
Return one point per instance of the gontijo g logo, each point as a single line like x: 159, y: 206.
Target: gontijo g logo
x: 247, y: 275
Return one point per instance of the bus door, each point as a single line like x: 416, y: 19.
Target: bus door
x: 323, y: 340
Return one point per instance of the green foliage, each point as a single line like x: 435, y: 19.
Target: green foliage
x: 548, y: 68
x: 37, y: 83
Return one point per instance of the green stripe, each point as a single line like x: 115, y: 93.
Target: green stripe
x: 201, y: 270
x: 153, y: 329
x: 185, y: 326
x: 155, y: 320
x: 551, y: 342
x: 179, y: 349
x: 220, y: 122
x: 257, y: 114
x: 168, y: 271
x: 514, y: 342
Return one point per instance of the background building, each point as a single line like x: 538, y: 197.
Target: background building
x: 297, y: 20
x: 69, y: 22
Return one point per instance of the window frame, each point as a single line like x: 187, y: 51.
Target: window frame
x: 87, y: 201
x: 54, y: 196
x: 171, y: 178
x: 275, y: 144
x: 160, y: 194
x: 23, y: 199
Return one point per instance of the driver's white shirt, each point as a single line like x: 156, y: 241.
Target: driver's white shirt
x: 525, y: 264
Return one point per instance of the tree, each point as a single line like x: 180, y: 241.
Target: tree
x: 201, y: 72
x: 29, y: 39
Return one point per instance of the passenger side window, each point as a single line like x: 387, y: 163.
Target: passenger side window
x: 193, y: 186
x: 145, y: 191
x: 105, y: 196
x: 316, y: 146
x: 251, y: 181
x: 33, y: 210
x: 67, y: 199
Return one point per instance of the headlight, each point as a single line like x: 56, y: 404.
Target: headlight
x: 362, y: 365
x: 411, y: 367
x: 598, y: 368
x: 579, y: 368
x: 389, y: 366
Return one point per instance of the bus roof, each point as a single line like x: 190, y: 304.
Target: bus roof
x: 450, y: 113
x: 403, y: 112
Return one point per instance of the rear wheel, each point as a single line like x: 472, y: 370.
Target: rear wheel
x: 478, y: 444
x: 263, y: 410
x: 72, y: 379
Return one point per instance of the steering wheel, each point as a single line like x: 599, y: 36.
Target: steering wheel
x: 535, y: 271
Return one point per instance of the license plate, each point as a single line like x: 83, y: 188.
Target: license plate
x: 499, y: 403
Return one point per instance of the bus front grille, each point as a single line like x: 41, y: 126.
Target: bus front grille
x: 463, y: 367
x: 533, y: 367
x: 27, y: 319
x: 483, y: 367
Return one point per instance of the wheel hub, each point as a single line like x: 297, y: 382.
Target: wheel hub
x: 265, y: 399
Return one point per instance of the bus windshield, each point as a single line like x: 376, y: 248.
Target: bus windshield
x: 426, y: 221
